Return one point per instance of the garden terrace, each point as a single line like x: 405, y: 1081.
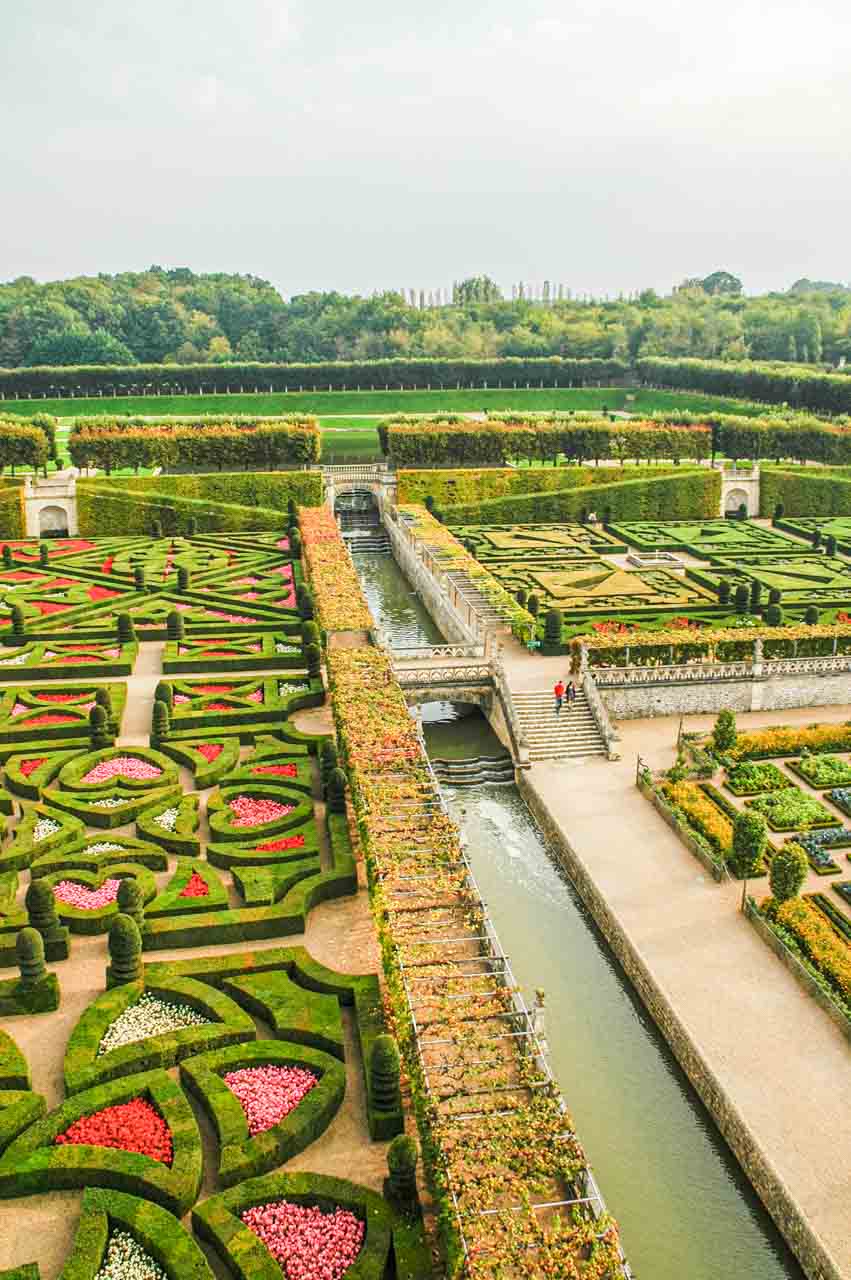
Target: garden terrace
x: 487, y: 1105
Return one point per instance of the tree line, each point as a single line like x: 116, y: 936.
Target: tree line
x: 179, y: 317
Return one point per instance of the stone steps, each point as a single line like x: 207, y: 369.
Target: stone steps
x: 570, y: 734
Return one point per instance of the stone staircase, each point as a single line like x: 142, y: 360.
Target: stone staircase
x: 569, y: 735
x: 469, y: 772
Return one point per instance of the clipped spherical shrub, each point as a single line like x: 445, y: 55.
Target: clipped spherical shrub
x: 750, y: 837
x: 328, y: 760
x: 724, y: 591
x: 44, y: 556
x: 774, y: 595
x: 174, y: 626
x: 164, y: 693
x: 29, y: 953
x: 384, y: 1071
x: 41, y: 907
x: 756, y: 594
x: 402, y: 1157
x: 774, y: 615
x: 741, y: 598
x: 125, y: 950
x: 18, y: 625
x: 788, y: 871
x: 309, y: 633
x: 103, y: 698
x: 724, y: 731
x: 336, y: 791
x: 811, y: 615
x: 521, y: 595
x: 295, y: 540
x: 533, y: 605
x: 140, y: 578
x: 130, y: 902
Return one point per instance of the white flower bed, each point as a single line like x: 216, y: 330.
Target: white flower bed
x: 286, y: 648
x: 292, y: 687
x: 168, y: 819
x: 43, y: 828
x: 125, y: 1259
x: 105, y: 846
x: 18, y: 659
x: 149, y: 1016
x: 112, y: 802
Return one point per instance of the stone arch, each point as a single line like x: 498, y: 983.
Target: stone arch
x: 53, y: 521
x: 356, y: 506
x: 734, y: 498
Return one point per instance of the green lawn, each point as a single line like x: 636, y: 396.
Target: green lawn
x: 385, y: 402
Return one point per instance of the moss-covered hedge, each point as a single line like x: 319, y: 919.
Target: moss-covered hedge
x: 14, y: 1070
x: 206, y: 772
x: 686, y: 494
x: 12, y: 518
x: 180, y: 836
x: 18, y: 1110
x: 240, y: 1155
x: 98, y: 919
x: 217, y: 503
x: 34, y: 1164
x: 84, y: 1068
x: 17, y: 997
x: 804, y: 491
x: 157, y: 1231
x: 170, y: 902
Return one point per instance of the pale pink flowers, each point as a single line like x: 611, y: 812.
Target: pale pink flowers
x: 307, y: 1243
x: 269, y: 1093
x: 251, y: 811
x: 84, y: 898
x: 123, y: 766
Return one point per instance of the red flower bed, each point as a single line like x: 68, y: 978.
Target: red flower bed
x: 612, y: 628
x: 75, y: 659
x: 102, y: 593
x: 106, y: 567
x: 29, y: 766
x: 220, y: 706
x: 277, y: 770
x: 212, y: 688
x: 51, y: 718
x: 47, y: 696
x: 50, y: 606
x: 307, y: 1243
x: 129, y: 1126
x: 286, y: 842
x: 20, y: 575
x: 56, y: 583
x: 267, y: 1094
x: 253, y: 811
x: 195, y: 887
x: 209, y: 750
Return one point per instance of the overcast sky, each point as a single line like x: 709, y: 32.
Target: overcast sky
x: 609, y: 144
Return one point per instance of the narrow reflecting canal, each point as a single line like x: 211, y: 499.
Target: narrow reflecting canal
x: 685, y: 1209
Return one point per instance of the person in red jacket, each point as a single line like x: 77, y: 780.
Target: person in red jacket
x: 558, y: 691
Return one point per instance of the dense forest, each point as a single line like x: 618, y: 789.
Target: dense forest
x: 177, y: 316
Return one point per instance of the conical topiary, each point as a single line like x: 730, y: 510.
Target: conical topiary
x: 304, y: 600
x: 327, y: 760
x: 384, y: 1072
x: 29, y: 953
x: 292, y: 512
x: 160, y: 722
x: 295, y: 541
x: 183, y: 577
x: 103, y: 698
x: 7, y: 556
x: 140, y: 578
x: 44, y: 556
x: 18, y: 624
x: 125, y: 951
x: 126, y: 629
x: 164, y: 693
x: 130, y: 902
x: 313, y: 661
x: 401, y: 1183
x: 336, y: 791
x: 98, y: 727
x: 552, y: 626
x: 191, y: 527
x: 309, y: 633
x: 175, y: 629
x: 41, y: 907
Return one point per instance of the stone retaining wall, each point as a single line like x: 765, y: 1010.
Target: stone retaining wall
x: 776, y: 693
x: 776, y: 1197
x: 455, y: 628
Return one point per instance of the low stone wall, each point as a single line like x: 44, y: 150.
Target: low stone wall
x: 768, y: 1185
x: 793, y: 964
x: 452, y: 625
x: 715, y: 869
x: 775, y: 693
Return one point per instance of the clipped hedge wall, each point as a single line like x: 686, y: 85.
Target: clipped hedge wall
x: 771, y: 382
x: 226, y: 503
x: 194, y: 444
x: 143, y: 379
x: 466, y: 485
x: 688, y: 494
x: 12, y: 520
x: 804, y: 492
x: 159, y: 1233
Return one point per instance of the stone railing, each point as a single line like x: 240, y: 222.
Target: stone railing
x: 703, y: 672
x: 436, y: 652
x: 481, y: 673
x: 600, y: 714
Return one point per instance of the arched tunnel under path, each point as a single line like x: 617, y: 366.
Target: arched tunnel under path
x: 53, y: 522
x: 357, y: 509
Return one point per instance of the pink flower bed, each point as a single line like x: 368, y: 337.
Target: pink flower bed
x: 180, y: 698
x: 29, y: 766
x: 123, y: 767
x: 230, y: 617
x: 253, y: 811
x: 255, y: 696
x: 196, y: 887
x: 47, y: 696
x: 250, y: 595
x: 267, y: 1094
x: 307, y: 1243
x: 283, y: 544
x: 277, y: 770
x: 285, y: 570
x: 219, y: 706
x: 209, y: 750
x: 84, y: 898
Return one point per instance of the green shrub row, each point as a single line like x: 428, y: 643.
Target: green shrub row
x: 131, y: 807
x: 772, y: 383
x: 183, y: 837
x: 18, y: 1110
x: 108, y: 508
x: 14, y: 1070
x: 143, y: 379
x: 689, y: 494
x: 20, y: 853
x: 170, y: 903
x: 12, y: 519
x: 17, y: 997
x: 114, y: 443
x: 804, y: 492
x: 268, y: 658
x: 468, y: 485
x: 22, y: 445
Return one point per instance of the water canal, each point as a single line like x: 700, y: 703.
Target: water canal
x: 686, y: 1210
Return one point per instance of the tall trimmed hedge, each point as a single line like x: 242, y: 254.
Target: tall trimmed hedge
x: 22, y: 445
x: 147, y: 379
x: 263, y: 444
x: 494, y: 443
x: 804, y: 492
x: 691, y: 494
x: 223, y: 503
x: 774, y: 383
x: 469, y: 485
x: 12, y: 520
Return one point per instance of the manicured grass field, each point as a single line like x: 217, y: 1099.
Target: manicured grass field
x: 384, y: 402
